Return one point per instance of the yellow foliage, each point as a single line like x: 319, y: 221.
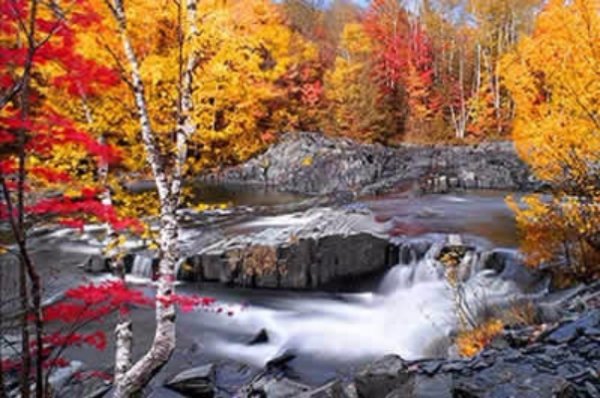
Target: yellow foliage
x: 244, y: 49
x: 307, y: 161
x: 471, y: 342
x: 554, y: 79
x: 354, y: 99
x: 200, y: 207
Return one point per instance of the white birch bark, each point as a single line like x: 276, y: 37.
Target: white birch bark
x: 132, y: 378
x: 138, y: 375
x: 185, y: 124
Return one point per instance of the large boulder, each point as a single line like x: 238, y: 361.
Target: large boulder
x: 322, y: 247
x: 311, y: 163
x: 96, y: 264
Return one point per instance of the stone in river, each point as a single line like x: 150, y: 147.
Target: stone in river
x: 196, y: 382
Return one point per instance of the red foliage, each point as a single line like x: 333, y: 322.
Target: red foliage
x: 386, y: 22
x: 7, y: 166
x: 81, y: 306
x: 186, y: 303
x: 422, y: 95
x: 311, y: 93
x: 73, y: 212
x: 6, y: 137
x: 96, y: 339
x: 46, y: 131
x: 49, y: 175
x: 421, y: 55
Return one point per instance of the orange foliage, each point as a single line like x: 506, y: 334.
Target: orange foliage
x: 471, y: 342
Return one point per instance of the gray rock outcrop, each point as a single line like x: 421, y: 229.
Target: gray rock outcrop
x: 314, y: 164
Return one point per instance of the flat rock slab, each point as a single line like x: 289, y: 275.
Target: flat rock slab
x: 299, y: 251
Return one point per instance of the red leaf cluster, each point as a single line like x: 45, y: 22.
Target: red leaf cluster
x: 186, y: 303
x: 93, y: 301
x: 95, y: 339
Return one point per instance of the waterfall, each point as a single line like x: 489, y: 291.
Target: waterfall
x: 411, y: 314
x: 143, y: 266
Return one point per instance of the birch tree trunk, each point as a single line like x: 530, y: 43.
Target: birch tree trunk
x: 185, y: 126
x: 132, y: 378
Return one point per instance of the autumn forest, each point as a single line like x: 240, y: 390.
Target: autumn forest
x: 263, y: 165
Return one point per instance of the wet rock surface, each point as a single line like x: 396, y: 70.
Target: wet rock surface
x: 314, y: 164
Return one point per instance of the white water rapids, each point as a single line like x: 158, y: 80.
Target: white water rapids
x: 408, y: 314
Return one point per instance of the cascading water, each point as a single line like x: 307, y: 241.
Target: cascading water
x: 411, y: 312
x: 142, y: 266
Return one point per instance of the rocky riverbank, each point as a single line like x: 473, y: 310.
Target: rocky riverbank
x: 311, y: 163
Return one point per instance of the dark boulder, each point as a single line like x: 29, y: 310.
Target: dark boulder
x: 260, y: 338
x: 281, y: 360
x: 382, y: 377
x: 559, y: 363
x: 96, y: 264
x: 423, y: 386
x: 196, y: 382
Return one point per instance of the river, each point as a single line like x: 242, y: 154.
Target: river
x: 408, y: 311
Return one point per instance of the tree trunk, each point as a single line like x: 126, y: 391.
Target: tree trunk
x: 185, y: 125
x: 164, y: 339
x: 462, y: 115
x: 136, y: 377
x: 25, y: 351
x: 123, y: 350
x: 19, y: 228
x: 36, y: 296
